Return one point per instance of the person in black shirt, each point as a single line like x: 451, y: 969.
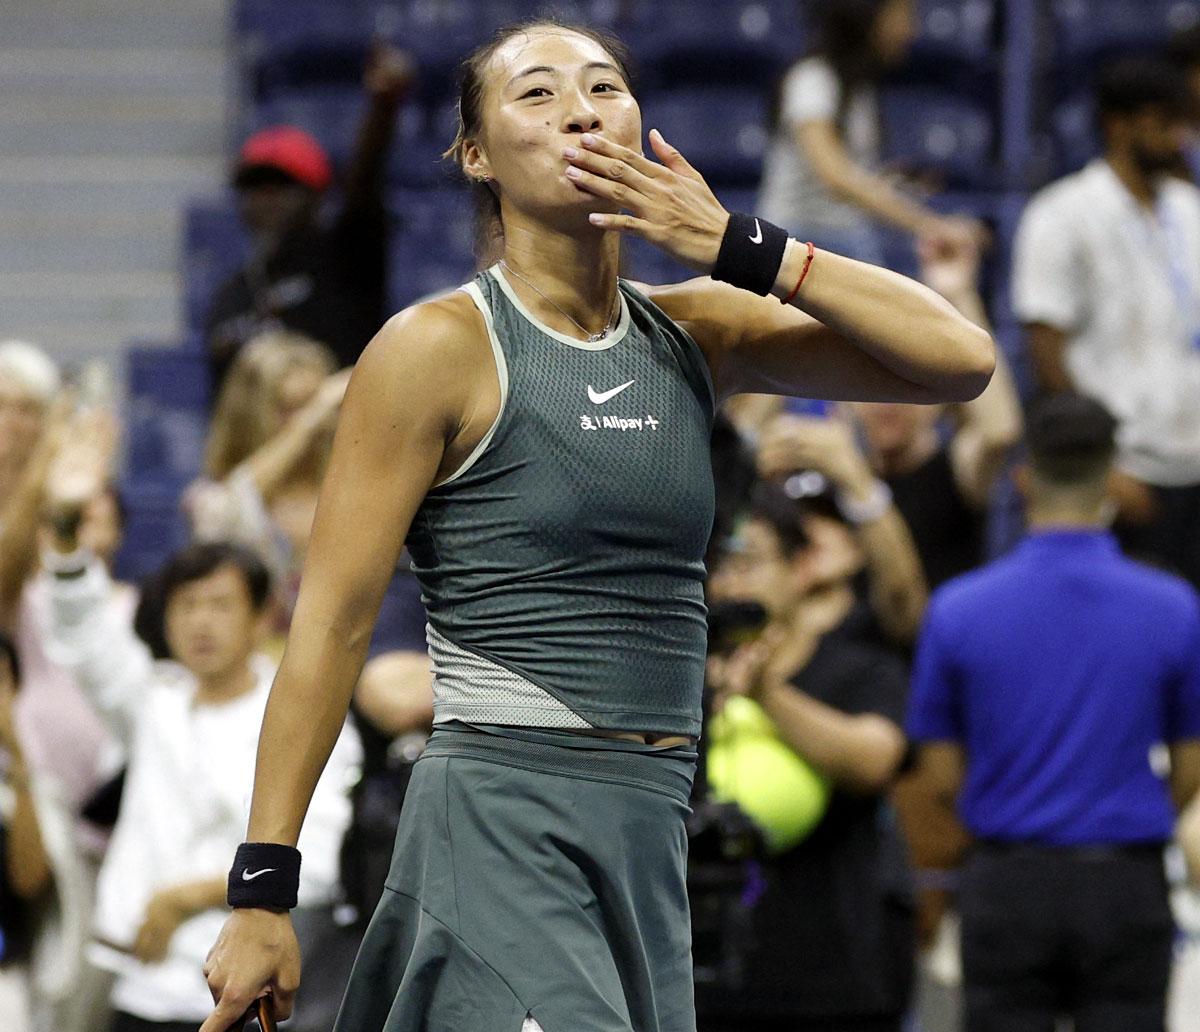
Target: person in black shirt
x: 327, y: 280
x: 833, y: 941
x: 942, y: 484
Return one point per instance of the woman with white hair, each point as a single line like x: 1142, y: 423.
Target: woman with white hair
x: 69, y: 752
x: 29, y: 381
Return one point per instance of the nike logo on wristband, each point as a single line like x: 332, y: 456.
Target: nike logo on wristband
x: 757, y: 238
x: 247, y: 876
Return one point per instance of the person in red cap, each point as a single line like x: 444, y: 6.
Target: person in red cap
x: 326, y: 279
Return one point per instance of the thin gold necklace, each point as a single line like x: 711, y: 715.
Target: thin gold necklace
x: 592, y: 338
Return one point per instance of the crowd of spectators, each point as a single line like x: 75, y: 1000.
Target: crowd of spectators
x: 885, y: 660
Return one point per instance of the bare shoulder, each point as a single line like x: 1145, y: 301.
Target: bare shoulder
x: 431, y: 350
x: 448, y: 328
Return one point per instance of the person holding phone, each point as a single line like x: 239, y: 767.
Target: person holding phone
x: 188, y: 726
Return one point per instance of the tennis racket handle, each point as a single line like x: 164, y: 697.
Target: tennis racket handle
x: 261, y: 1010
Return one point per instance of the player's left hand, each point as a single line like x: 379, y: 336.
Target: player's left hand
x: 670, y: 203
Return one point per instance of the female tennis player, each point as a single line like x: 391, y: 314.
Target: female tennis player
x: 540, y: 439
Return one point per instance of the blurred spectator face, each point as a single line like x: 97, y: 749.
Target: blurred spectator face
x: 761, y: 567
x: 757, y: 568
x: 271, y: 379
x: 894, y: 30
x: 1157, y: 138
x: 273, y: 205
x: 294, y: 389
x: 893, y: 428
x: 212, y: 624
x: 29, y: 381
x: 102, y: 525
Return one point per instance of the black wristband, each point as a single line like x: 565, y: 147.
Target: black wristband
x: 264, y: 874
x: 751, y: 253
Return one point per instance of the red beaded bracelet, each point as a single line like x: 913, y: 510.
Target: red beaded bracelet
x: 803, y: 273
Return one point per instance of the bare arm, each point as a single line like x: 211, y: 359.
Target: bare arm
x: 898, y: 590
x: 859, y: 752
x: 989, y: 426
x: 988, y: 429
x: 273, y: 464
x: 19, y: 524
x: 388, y: 78
x: 1185, y: 772
x: 169, y: 908
x: 395, y: 692
x: 820, y: 141
x: 27, y: 866
x: 1047, y: 348
x: 936, y: 784
x: 854, y: 332
x: 421, y: 396
x: 401, y: 411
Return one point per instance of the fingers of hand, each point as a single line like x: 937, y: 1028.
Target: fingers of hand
x: 623, y: 194
x: 624, y: 224
x: 598, y: 145
x: 228, y: 1012
x: 669, y: 155
x: 613, y: 168
x: 284, y: 1001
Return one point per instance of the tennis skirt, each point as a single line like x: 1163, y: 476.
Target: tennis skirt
x: 536, y: 874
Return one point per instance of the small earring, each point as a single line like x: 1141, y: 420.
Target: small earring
x: 483, y: 180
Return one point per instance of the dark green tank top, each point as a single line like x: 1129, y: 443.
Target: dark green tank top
x: 561, y: 565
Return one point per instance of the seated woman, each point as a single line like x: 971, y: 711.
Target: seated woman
x: 267, y: 451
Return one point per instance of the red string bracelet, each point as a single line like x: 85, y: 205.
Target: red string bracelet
x: 803, y: 273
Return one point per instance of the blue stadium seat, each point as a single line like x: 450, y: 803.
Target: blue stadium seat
x: 169, y: 376
x: 333, y: 115
x: 1088, y: 29
x: 721, y: 130
x: 1074, y: 134
x: 955, y: 30
x: 930, y: 130
x: 154, y: 528
x: 432, y: 250
x: 738, y: 41
x: 305, y: 58
x: 271, y: 19
x: 214, y: 247
x: 401, y: 622
x: 166, y: 413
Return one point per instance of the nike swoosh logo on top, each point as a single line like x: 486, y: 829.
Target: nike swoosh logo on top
x: 599, y: 399
x: 247, y: 876
x: 757, y: 238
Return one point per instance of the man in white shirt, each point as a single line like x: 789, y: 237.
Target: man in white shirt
x: 191, y: 729
x: 1106, y: 277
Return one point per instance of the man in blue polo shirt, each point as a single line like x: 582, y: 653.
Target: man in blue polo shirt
x: 1046, y: 687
